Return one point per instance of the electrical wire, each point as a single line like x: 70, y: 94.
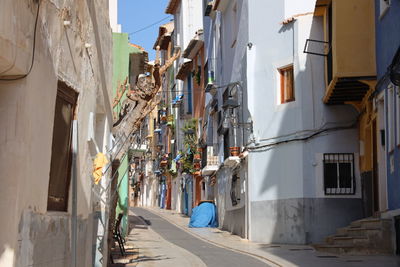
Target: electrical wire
x: 266, y: 146
x: 33, y: 50
x: 149, y: 26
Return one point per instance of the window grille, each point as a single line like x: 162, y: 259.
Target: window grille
x: 339, y: 174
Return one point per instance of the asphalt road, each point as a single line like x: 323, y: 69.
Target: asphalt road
x: 210, y: 254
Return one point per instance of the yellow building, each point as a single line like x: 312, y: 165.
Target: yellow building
x: 350, y: 75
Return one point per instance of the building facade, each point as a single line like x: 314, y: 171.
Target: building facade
x: 55, y: 92
x: 290, y: 125
x: 387, y: 102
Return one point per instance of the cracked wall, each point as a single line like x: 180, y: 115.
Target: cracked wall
x: 81, y: 56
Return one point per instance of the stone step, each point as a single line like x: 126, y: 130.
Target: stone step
x: 361, y: 237
x: 370, y: 223
x: 342, y: 231
x: 329, y: 239
x: 363, y: 232
x: 347, y: 249
x: 349, y: 240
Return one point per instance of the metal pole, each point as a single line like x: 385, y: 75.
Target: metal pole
x: 74, y: 192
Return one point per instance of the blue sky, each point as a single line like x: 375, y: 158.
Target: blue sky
x: 135, y: 15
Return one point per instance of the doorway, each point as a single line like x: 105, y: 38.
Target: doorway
x: 375, y: 172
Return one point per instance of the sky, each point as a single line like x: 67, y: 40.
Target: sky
x: 134, y: 15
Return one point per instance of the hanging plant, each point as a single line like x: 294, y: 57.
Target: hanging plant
x: 190, y: 143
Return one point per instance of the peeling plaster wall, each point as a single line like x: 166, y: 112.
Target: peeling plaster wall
x: 31, y: 235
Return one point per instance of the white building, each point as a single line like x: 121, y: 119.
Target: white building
x: 276, y: 190
x: 188, y: 22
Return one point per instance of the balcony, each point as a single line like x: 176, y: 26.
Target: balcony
x: 211, y: 162
x: 194, y: 45
x: 184, y: 70
x: 350, y: 61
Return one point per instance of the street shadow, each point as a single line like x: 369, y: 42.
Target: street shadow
x: 138, y: 221
x: 147, y: 259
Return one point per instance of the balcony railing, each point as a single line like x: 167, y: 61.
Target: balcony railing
x: 210, y: 161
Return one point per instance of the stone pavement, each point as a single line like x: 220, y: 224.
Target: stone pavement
x: 275, y: 255
x: 209, y: 254
x: 146, y: 248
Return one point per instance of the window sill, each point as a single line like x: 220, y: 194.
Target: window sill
x: 288, y: 101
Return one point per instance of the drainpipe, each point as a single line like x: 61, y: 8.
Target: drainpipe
x: 74, y: 218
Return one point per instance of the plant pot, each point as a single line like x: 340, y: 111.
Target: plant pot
x: 197, y: 173
x: 235, y: 151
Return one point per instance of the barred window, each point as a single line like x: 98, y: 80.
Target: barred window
x: 339, y: 174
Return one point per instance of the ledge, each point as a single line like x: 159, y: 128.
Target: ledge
x: 209, y: 170
x: 194, y: 45
x: 232, y: 162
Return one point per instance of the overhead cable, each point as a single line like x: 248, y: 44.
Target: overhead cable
x: 149, y: 26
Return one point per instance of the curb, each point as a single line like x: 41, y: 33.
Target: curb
x: 215, y: 243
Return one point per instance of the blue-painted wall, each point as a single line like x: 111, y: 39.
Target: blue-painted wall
x: 387, y: 43
x: 387, y: 35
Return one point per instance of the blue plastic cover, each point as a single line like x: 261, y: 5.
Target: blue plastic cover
x: 203, y: 216
x: 177, y: 99
x: 178, y: 158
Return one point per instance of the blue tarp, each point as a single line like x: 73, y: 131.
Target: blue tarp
x: 203, y: 216
x: 177, y: 99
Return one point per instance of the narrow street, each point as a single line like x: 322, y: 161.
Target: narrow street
x: 200, y: 133
x: 160, y: 237
x: 165, y: 244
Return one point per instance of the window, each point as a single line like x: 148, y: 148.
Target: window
x: 339, y: 174
x: 61, y: 156
x: 286, y: 84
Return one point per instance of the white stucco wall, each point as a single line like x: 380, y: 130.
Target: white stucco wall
x: 282, y: 45
x: 27, y: 115
x: 286, y: 180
